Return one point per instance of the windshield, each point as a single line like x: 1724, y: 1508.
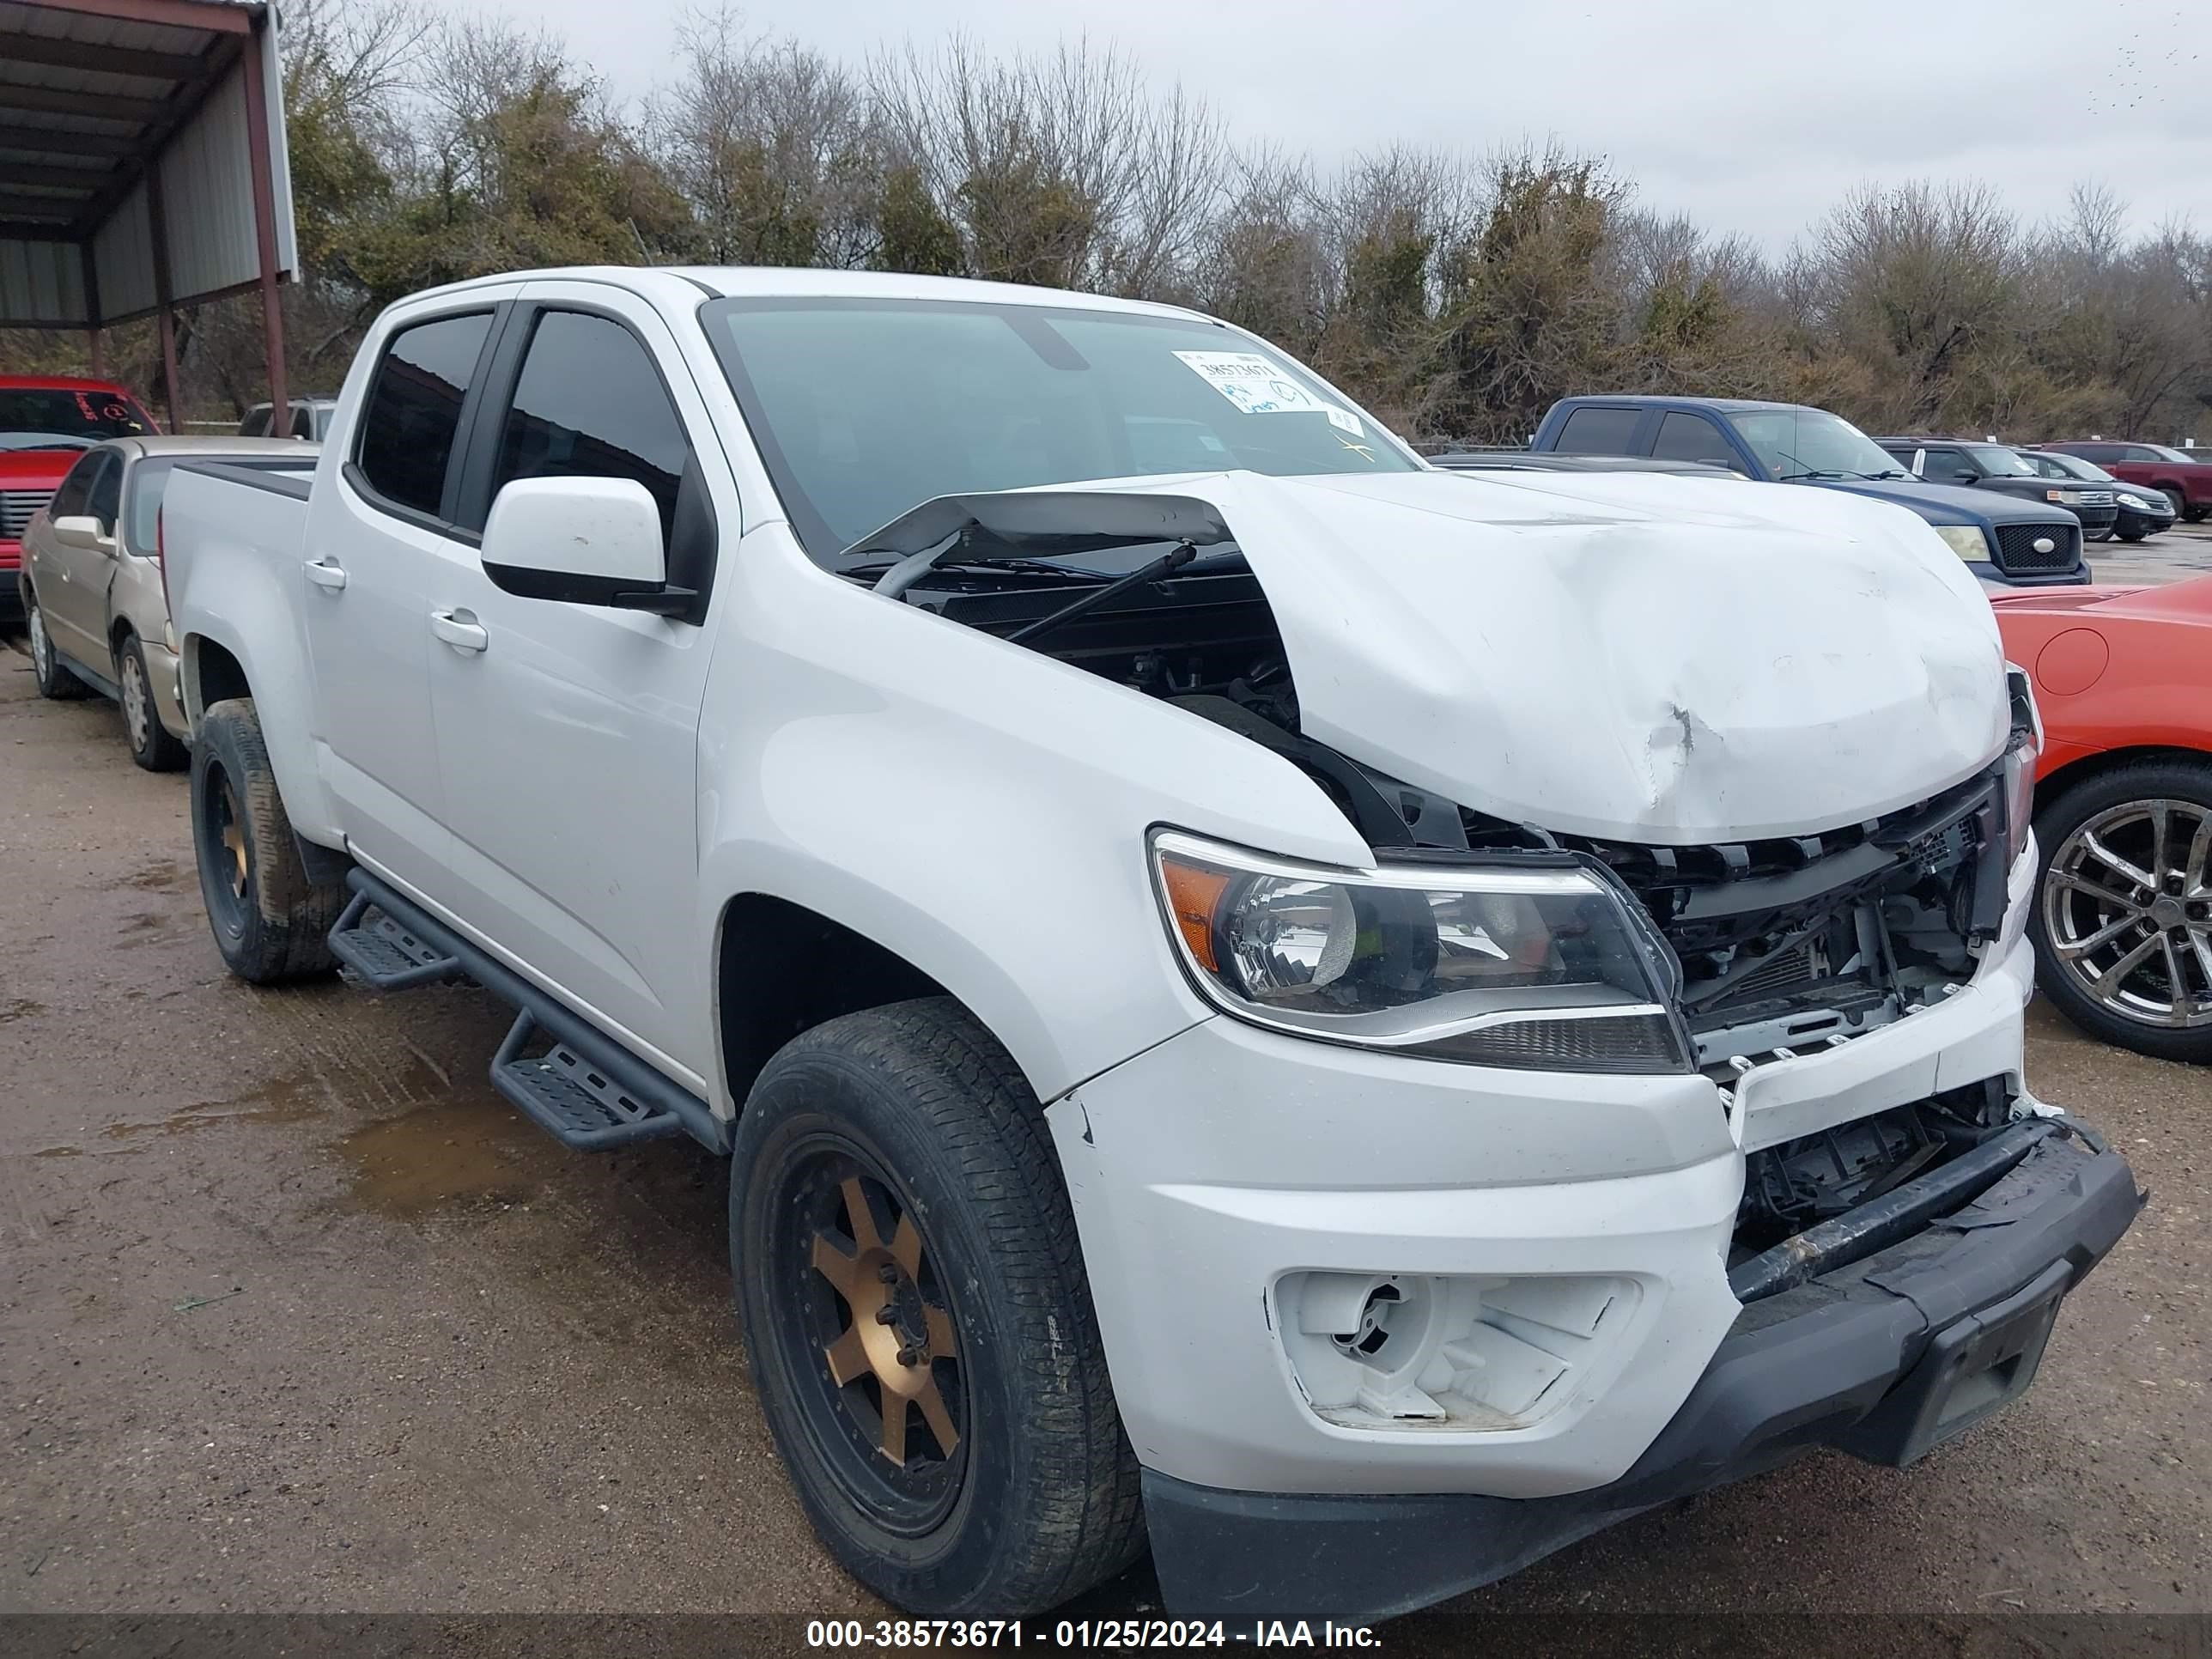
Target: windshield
x: 1996, y: 458
x: 49, y: 417
x: 2075, y: 467
x: 865, y: 409
x: 1811, y: 443
x: 2167, y: 454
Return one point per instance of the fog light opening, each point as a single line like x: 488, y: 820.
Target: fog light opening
x: 1366, y: 1339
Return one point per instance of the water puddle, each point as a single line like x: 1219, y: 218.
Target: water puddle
x: 461, y: 1151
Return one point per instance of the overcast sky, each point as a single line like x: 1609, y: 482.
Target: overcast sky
x: 1752, y: 116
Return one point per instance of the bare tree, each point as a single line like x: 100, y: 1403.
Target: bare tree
x: 773, y: 145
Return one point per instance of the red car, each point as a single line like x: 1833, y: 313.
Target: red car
x: 2184, y: 476
x: 45, y: 422
x: 2123, y: 917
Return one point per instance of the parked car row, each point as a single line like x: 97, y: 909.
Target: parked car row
x: 93, y: 586
x: 2006, y: 541
x: 1353, y: 1023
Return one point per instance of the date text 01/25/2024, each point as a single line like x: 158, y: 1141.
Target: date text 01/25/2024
x: 882, y: 1634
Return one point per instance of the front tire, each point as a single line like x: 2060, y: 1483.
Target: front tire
x: 53, y: 680
x: 151, y: 745
x: 2134, y: 533
x: 919, y: 1327
x: 2121, y: 922
x: 270, y: 922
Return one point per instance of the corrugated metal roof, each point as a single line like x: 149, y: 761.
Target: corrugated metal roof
x: 94, y: 95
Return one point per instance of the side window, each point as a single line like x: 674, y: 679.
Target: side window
x: 107, y: 500
x: 303, y: 420
x: 72, y: 499
x: 1592, y: 431
x: 1944, y: 466
x: 589, y: 403
x: 415, y: 409
x: 1693, y: 438
x: 256, y: 423
x: 2137, y: 452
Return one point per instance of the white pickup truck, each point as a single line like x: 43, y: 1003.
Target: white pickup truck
x: 1360, y: 1022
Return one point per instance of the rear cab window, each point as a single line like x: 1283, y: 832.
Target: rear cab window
x: 413, y: 413
x: 1591, y: 430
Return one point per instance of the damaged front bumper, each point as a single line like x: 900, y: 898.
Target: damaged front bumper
x: 1883, y: 1358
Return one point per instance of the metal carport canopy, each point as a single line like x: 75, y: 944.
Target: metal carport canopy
x: 142, y: 165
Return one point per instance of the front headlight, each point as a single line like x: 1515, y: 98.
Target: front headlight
x: 2021, y: 753
x: 2135, y: 503
x: 1967, y: 540
x: 1534, y: 966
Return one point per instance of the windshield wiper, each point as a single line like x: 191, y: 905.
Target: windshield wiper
x: 882, y: 568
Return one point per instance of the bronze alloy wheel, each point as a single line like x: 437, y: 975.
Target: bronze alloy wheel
x: 873, y: 1327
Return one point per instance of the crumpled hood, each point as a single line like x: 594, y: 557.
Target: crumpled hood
x: 1628, y: 656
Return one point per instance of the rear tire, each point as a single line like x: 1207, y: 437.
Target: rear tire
x: 2100, y: 833
x: 151, y: 745
x: 270, y: 922
x: 53, y: 680
x: 955, y: 1291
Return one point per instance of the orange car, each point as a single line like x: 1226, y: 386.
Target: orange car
x: 2123, y: 918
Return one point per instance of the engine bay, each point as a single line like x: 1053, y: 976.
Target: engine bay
x: 1782, y: 943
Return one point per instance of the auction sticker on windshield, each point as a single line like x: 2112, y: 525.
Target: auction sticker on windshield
x: 1259, y: 387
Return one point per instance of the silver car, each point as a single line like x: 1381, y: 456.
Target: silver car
x: 93, y: 598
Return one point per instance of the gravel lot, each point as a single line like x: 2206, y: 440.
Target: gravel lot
x: 296, y: 1315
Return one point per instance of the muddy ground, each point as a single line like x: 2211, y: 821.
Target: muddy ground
x: 296, y: 1315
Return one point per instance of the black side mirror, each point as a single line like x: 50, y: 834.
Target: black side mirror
x: 1964, y: 476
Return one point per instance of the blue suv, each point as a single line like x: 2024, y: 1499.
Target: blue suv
x: 2015, y: 543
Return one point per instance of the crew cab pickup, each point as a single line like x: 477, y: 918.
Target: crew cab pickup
x: 2008, y: 543
x: 1358, y: 1022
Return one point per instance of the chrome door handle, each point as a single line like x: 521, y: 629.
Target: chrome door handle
x: 325, y: 573
x: 459, y: 629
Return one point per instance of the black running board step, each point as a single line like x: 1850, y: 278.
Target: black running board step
x: 652, y: 1096
x: 576, y: 1102
x: 384, y: 953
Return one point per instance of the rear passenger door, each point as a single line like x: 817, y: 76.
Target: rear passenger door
x: 568, y: 733
x: 1599, y: 429
x: 374, y: 542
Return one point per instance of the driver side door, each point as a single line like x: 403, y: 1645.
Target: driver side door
x: 567, y: 732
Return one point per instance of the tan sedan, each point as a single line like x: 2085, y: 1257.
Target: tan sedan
x: 94, y: 601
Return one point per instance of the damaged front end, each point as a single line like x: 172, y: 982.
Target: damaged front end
x: 1767, y: 947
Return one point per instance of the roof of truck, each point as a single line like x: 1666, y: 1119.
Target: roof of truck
x: 1669, y: 397
x: 794, y: 282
